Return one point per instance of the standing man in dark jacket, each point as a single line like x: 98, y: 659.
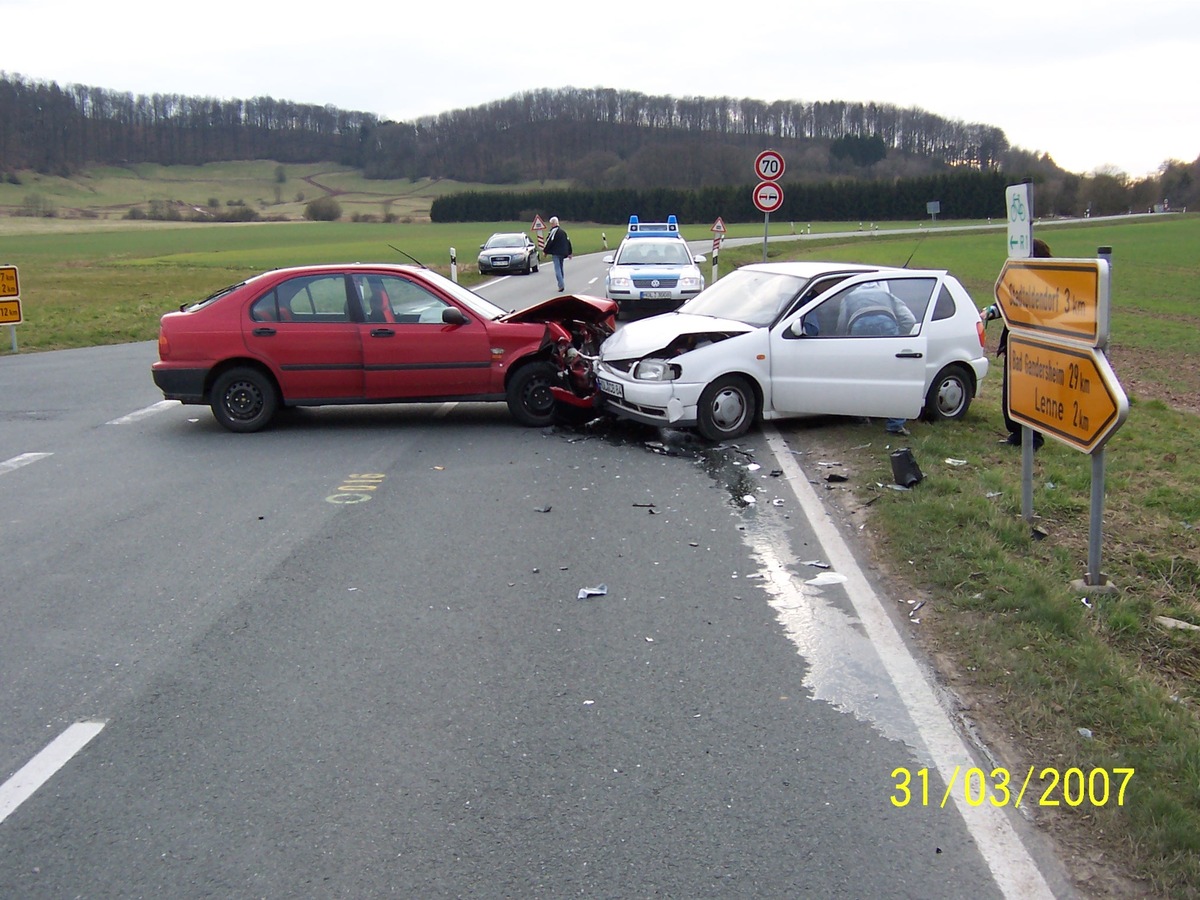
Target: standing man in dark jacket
x: 558, y: 248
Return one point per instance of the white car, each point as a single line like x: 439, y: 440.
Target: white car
x: 775, y: 340
x: 653, y: 269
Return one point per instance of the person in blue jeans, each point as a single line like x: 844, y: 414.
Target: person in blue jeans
x: 558, y: 248
x: 875, y: 311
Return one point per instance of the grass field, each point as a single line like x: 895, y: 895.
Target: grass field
x: 1034, y: 662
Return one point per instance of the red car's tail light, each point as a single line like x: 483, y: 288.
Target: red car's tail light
x: 164, y: 346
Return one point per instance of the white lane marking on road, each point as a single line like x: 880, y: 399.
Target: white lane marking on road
x: 144, y: 412
x: 23, y: 460
x: 42, y: 767
x: 1015, y: 871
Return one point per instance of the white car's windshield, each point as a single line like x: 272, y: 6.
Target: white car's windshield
x: 654, y: 253
x: 748, y: 296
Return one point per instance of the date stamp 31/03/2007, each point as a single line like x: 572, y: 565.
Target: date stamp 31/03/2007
x: 1051, y: 787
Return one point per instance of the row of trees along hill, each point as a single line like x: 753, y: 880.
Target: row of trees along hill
x: 597, y: 138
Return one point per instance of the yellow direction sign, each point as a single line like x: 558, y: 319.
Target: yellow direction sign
x: 1067, y: 298
x: 1067, y: 392
x: 10, y: 296
x: 9, y: 284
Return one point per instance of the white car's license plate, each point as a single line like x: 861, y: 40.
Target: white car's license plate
x: 612, y: 388
x: 656, y: 295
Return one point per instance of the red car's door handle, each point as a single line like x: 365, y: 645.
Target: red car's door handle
x: 382, y: 332
x: 264, y: 332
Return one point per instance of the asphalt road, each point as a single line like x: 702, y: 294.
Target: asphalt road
x: 347, y: 657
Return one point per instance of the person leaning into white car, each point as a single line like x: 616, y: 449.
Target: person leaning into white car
x: 871, y: 310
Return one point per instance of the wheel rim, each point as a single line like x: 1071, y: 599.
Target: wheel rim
x: 243, y: 400
x: 537, y: 397
x: 950, y: 396
x: 728, y: 409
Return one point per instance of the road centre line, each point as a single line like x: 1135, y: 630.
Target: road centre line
x: 144, y: 412
x: 1015, y: 872
x: 42, y: 767
x: 23, y: 460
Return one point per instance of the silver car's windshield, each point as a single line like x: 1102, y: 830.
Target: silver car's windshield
x: 755, y: 298
x: 505, y: 240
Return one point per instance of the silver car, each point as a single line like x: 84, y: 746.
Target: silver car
x: 508, y: 253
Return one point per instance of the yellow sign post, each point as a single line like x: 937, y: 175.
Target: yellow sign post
x: 1066, y: 391
x: 1067, y: 298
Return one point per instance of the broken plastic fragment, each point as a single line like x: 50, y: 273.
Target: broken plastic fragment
x: 749, y: 498
x: 955, y: 462
x: 542, y: 509
x: 598, y: 591
x: 816, y: 563
x: 1085, y: 733
x: 826, y: 578
x: 836, y: 477
x: 778, y: 501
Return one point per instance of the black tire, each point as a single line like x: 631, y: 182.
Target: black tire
x: 535, y: 265
x: 727, y: 408
x: 528, y: 266
x: 529, y: 398
x: 244, y: 400
x: 949, y: 395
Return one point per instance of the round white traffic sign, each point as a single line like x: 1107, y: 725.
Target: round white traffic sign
x: 768, y: 165
x: 768, y: 196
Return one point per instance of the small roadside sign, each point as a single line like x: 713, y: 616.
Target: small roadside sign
x: 538, y: 224
x: 1068, y: 392
x: 769, y: 165
x: 1018, y: 201
x: 1067, y: 298
x: 10, y: 298
x: 10, y: 285
x: 718, y: 226
x: 768, y: 196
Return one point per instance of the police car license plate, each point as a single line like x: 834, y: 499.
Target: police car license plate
x: 612, y: 388
x: 656, y: 295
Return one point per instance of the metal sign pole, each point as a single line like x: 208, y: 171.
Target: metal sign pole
x: 766, y: 231
x: 1096, y: 526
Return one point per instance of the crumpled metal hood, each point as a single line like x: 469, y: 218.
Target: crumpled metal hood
x: 568, y: 307
x: 646, y: 337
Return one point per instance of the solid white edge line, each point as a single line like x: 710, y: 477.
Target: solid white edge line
x: 42, y: 767
x: 23, y: 460
x: 143, y: 412
x: 1014, y: 869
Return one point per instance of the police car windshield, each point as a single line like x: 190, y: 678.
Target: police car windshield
x: 755, y: 298
x: 643, y: 252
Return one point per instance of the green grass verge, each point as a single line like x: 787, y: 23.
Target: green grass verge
x: 1014, y: 636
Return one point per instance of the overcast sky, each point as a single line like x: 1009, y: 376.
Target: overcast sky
x: 1094, y: 83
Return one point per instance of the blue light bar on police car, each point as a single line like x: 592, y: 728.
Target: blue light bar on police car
x: 668, y: 228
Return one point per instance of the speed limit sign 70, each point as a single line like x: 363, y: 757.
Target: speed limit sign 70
x: 768, y: 165
x: 768, y: 196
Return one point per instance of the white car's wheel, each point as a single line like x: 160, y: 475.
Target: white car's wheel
x: 949, y: 395
x: 727, y: 408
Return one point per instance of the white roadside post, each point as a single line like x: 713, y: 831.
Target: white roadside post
x: 454, y: 265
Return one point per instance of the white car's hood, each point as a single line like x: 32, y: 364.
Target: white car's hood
x: 648, y: 336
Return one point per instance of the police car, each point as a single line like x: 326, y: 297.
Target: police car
x: 653, y: 270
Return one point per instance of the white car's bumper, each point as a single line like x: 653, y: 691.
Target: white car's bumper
x: 660, y: 403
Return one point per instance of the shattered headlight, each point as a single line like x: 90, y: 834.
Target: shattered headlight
x: 656, y: 370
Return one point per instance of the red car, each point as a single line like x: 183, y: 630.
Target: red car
x: 329, y: 334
